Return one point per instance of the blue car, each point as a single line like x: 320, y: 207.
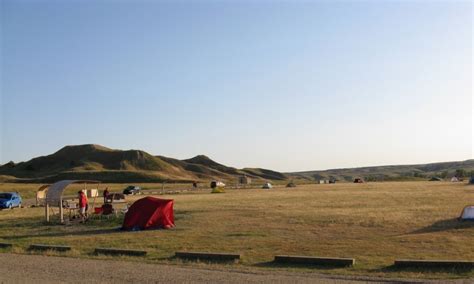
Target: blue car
x: 10, y: 200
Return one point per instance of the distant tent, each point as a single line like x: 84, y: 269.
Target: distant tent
x: 149, y: 213
x: 471, y: 180
x: 436, y: 179
x: 267, y: 186
x: 215, y: 184
x: 467, y: 213
x: 454, y: 179
x: 291, y: 184
x: 332, y: 180
x: 358, y: 180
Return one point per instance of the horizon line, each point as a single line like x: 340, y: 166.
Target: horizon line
x: 303, y: 171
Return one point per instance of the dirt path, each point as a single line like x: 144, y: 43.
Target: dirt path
x: 37, y: 269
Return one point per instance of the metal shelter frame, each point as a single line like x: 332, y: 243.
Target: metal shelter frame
x: 54, y: 195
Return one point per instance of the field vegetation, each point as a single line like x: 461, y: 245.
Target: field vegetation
x: 375, y: 223
x: 421, y: 172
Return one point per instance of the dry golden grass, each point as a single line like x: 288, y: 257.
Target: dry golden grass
x: 375, y: 223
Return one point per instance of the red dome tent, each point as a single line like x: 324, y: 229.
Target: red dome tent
x: 149, y: 213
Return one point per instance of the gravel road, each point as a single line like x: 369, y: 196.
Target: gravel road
x: 16, y: 268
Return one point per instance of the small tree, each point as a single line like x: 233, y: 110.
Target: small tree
x: 419, y: 175
x: 370, y: 178
x: 318, y: 177
x: 460, y: 173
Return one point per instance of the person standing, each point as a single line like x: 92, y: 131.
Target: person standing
x: 106, y: 194
x: 82, y: 205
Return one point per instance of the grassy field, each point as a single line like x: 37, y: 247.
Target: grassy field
x: 375, y: 223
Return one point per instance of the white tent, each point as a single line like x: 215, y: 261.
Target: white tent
x: 467, y: 213
x: 454, y: 179
x: 216, y: 183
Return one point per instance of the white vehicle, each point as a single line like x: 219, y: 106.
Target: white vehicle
x: 267, y: 186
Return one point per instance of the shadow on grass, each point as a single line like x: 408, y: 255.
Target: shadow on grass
x: 21, y: 222
x: 246, y: 234
x: 178, y: 259
x: 67, y: 233
x: 447, y: 270
x: 445, y: 225
x: 273, y: 264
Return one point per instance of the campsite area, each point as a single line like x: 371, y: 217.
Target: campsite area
x: 375, y: 223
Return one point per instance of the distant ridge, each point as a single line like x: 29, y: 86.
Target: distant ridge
x: 92, y: 161
x: 394, y: 172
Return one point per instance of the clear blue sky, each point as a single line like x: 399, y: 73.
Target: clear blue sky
x: 281, y: 85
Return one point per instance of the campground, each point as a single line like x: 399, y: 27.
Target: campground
x: 375, y: 223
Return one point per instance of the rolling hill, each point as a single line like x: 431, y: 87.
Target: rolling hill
x: 390, y: 173
x: 101, y: 163
x: 108, y: 165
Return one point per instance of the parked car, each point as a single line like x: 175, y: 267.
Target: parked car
x: 112, y: 197
x: 132, y: 190
x: 10, y: 200
x: 267, y: 185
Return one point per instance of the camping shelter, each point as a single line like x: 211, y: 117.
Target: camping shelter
x: 358, y: 180
x: 245, y: 180
x: 149, y: 213
x: 471, y: 180
x: 54, y: 195
x: 467, y: 213
x: 41, y: 194
x: 454, y: 179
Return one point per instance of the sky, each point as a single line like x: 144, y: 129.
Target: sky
x: 285, y: 85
